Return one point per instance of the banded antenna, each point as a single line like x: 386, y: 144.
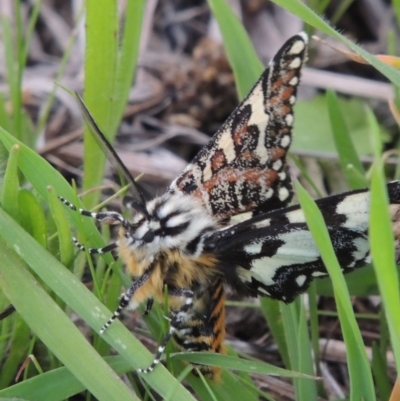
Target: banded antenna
x: 136, y: 201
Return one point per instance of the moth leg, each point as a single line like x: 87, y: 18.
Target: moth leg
x: 126, y: 298
x: 93, y: 251
x: 149, y: 305
x: 102, y: 217
x: 7, y: 312
x: 106, y: 218
x: 174, y: 324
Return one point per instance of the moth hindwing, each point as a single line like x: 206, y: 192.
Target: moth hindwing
x: 225, y: 220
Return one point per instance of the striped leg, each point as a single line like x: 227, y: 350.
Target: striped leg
x: 102, y: 217
x: 149, y: 305
x: 126, y: 298
x: 105, y: 218
x: 93, y: 251
x: 174, y: 325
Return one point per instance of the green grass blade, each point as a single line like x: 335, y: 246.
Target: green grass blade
x: 41, y: 174
x: 241, y: 365
x: 128, y: 55
x: 361, y: 383
x: 9, y: 193
x: 240, y: 51
x: 102, y: 33
x: 306, y: 389
x: 379, y: 369
x: 18, y: 351
x: 58, y: 384
x: 396, y: 6
x: 58, y: 210
x: 299, y: 348
x: 314, y: 324
x: 109, y: 70
x: 344, y: 145
x: 382, y: 244
x: 230, y: 388
x: 310, y: 17
x: 46, y: 108
x: 272, y: 313
x: 32, y: 216
x: 54, y: 328
x: 83, y: 302
x: 12, y: 74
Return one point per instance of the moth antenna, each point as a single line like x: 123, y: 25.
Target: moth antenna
x: 113, y: 157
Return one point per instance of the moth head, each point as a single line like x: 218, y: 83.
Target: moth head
x: 173, y: 222
x: 130, y: 203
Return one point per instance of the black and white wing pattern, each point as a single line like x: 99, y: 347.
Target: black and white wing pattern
x: 243, y: 167
x: 274, y: 254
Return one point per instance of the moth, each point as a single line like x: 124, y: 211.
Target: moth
x: 225, y: 222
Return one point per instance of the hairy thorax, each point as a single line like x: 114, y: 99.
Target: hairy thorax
x: 170, y: 245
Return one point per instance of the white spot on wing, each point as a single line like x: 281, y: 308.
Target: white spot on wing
x: 244, y: 274
x: 296, y: 63
x: 289, y: 119
x: 253, y: 249
x: 300, y: 280
x: 362, y: 248
x: 240, y: 217
x: 296, y: 216
x: 269, y: 193
x: 304, y: 36
x: 226, y: 144
x: 207, y: 172
x: 277, y: 164
x: 283, y: 194
x: 319, y: 274
x: 263, y: 223
x: 297, y: 46
x: 261, y: 151
x: 263, y: 290
x: 298, y: 248
x: 356, y: 209
x: 294, y: 81
x: 259, y: 118
x: 285, y: 141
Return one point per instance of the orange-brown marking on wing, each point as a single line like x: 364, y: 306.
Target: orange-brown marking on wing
x: 277, y: 153
x: 283, y: 95
x: 218, y: 160
x: 233, y: 174
x: 247, y: 155
x: 260, y: 177
x: 238, y: 135
x: 287, y: 93
x: 281, y: 81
